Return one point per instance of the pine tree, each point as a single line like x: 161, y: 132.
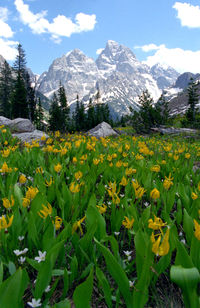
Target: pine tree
x: 193, y: 98
x: 6, y: 86
x: 90, y: 115
x: 31, y: 100
x: 19, y: 99
x: 54, y: 114
x: 162, y: 111
x: 39, y: 116
x: 64, y: 109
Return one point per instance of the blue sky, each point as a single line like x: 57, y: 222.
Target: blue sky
x: 164, y: 31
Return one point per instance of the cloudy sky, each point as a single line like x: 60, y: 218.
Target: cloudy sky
x: 164, y: 31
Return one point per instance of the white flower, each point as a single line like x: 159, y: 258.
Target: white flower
x: 116, y: 233
x: 146, y: 204
x: 17, y: 252
x: 24, y: 251
x: 41, y: 257
x: 21, y: 260
x: 127, y: 253
x: 35, y: 303
x: 131, y: 283
x: 20, y: 238
x: 121, y: 195
x: 47, y: 289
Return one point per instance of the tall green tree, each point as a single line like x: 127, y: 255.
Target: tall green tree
x: 90, y: 118
x: 64, y: 109
x: 6, y: 87
x: 39, y: 115
x: 193, y: 97
x: 31, y: 99
x: 162, y: 112
x: 54, y: 114
x: 19, y: 99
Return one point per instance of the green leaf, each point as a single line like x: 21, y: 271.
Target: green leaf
x: 117, y: 273
x: 105, y: 286
x: 187, y: 279
x: 63, y: 304
x: 11, y: 268
x: 188, y: 226
x: 83, y: 293
x: 182, y: 256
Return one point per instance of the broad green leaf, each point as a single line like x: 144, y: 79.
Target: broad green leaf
x: 83, y: 293
x: 105, y: 286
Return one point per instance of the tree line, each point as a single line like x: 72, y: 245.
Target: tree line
x: 18, y: 99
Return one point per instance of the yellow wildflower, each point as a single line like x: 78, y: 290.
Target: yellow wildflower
x: 102, y: 208
x: 39, y: 170
x: 57, y: 134
x: 58, y: 222
x: 43, y: 138
x: 118, y: 163
x: 78, y: 175
x: 77, y: 225
x: 22, y: 179
x: 74, y: 188
x: 163, y: 249
x: 176, y: 157
x: 31, y: 192
x: 49, y: 141
x: 194, y: 196
x: 74, y: 160
x: 197, y: 230
x: 128, y: 223
x: 187, y: 155
x: 58, y: 168
x: 26, y: 202
x: 130, y: 171
x: 124, y: 181
x: 49, y: 183
x: 155, y: 194
x: 3, y: 222
x: 7, y: 203
x: 5, y: 168
x: 139, y: 157
x: 47, y: 210
x: 139, y: 190
x: 5, y: 152
x: 168, y: 182
x: 63, y: 151
x: 5, y: 142
x: 96, y: 161
x: 157, y: 224
x: 155, y: 168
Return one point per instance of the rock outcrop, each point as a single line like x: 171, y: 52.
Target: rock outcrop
x: 22, y: 129
x: 102, y: 130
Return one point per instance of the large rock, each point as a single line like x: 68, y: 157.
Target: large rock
x: 174, y: 131
x: 18, y: 125
x: 5, y: 121
x: 102, y: 130
x: 30, y: 136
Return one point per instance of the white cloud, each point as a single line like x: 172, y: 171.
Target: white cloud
x: 60, y: 26
x: 4, y: 13
x: 180, y: 59
x: 188, y: 14
x: 98, y: 51
x: 8, y: 49
x: 147, y: 48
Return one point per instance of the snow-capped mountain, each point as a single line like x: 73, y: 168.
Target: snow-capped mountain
x: 117, y: 73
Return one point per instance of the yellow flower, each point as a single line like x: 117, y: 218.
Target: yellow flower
x: 26, y: 202
x: 57, y: 134
x: 58, y: 168
x: 157, y: 224
x: 163, y: 162
x: 49, y: 183
x: 22, y: 179
x: 155, y: 168
x: 77, y: 225
x: 124, y: 181
x: 176, y: 157
x: 197, y: 230
x: 47, y: 210
x: 31, y: 192
x: 49, y: 141
x: 39, y: 170
x: 187, y: 155
x: 102, y: 208
x: 168, y: 182
x: 5, y: 142
x: 163, y: 249
x: 199, y: 186
x: 139, y: 190
x: 74, y: 188
x: 128, y: 223
x: 118, y: 163
x: 96, y: 161
x: 5, y: 153
x: 58, y: 222
x: 139, y: 157
x: 63, y: 151
x: 74, y: 160
x: 5, y: 168
x: 194, y: 196
x: 130, y: 171
x: 3, y: 222
x: 7, y: 203
x: 43, y: 138
x: 78, y: 175
x: 155, y: 194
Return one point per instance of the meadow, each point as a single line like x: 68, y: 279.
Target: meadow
x: 113, y: 222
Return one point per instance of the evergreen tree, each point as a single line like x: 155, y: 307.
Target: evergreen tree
x: 39, y: 116
x: 162, y: 111
x: 19, y: 99
x: 90, y: 115
x: 54, y: 114
x: 193, y: 98
x: 64, y: 109
x: 31, y: 100
x: 6, y: 86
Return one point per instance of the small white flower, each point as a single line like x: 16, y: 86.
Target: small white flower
x: 35, y: 303
x: 183, y: 241
x: 17, y: 252
x: 121, y: 195
x: 127, y: 253
x: 41, y: 257
x: 146, y: 204
x: 24, y: 251
x: 131, y: 283
x: 116, y: 233
x: 21, y: 260
x: 47, y: 289
x: 20, y: 238
x: 109, y: 202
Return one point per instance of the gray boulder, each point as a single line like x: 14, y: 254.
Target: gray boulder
x: 21, y: 125
x: 102, y: 130
x: 5, y: 121
x: 30, y: 136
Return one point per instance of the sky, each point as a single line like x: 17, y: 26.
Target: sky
x: 157, y: 31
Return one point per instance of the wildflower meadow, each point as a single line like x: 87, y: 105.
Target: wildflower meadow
x: 98, y: 223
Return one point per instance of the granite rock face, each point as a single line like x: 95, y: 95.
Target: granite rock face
x: 102, y: 130
x: 30, y: 136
